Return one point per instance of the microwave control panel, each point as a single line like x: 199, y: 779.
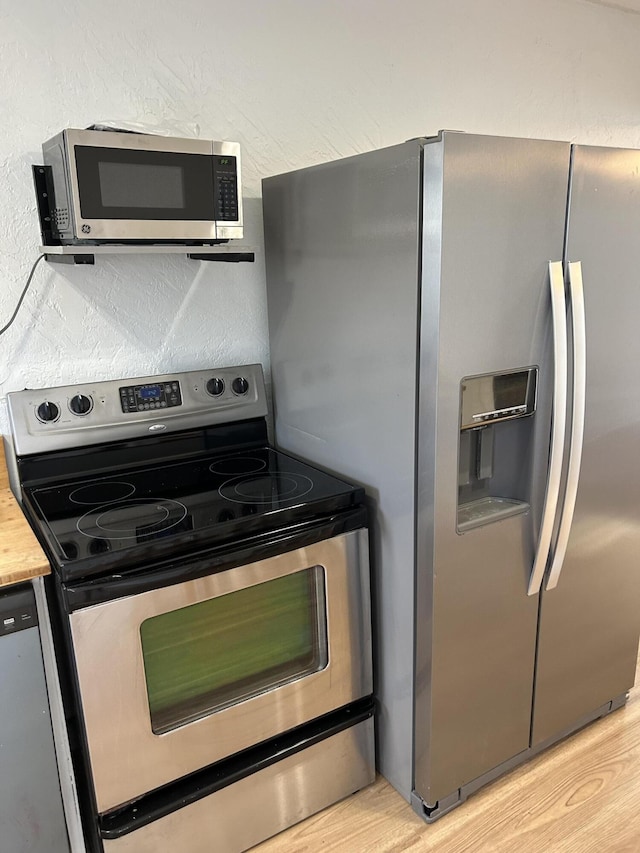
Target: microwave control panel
x: 226, y: 187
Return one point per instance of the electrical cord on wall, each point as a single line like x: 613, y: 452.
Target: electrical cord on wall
x: 22, y: 295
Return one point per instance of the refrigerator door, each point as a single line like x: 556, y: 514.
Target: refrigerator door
x: 589, y: 622
x: 494, y: 213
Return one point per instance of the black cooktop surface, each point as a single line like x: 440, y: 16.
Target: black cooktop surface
x: 136, y: 515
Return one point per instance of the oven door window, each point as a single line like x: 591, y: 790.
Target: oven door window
x: 208, y: 656
x: 134, y: 185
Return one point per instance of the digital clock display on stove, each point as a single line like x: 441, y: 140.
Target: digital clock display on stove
x: 146, y: 398
x: 150, y: 392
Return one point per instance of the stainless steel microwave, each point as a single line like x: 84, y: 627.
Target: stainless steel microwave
x: 138, y: 188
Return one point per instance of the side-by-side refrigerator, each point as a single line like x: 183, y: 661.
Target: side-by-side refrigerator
x: 454, y: 325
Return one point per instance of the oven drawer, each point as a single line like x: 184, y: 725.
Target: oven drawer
x: 179, y: 677
x: 275, y: 798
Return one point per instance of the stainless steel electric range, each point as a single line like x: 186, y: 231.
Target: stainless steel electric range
x: 207, y: 617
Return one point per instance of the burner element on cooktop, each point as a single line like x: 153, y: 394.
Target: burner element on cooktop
x: 235, y: 466
x: 283, y: 486
x: 102, y: 493
x: 179, y: 503
x: 132, y: 519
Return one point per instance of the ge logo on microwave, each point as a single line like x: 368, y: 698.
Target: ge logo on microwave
x: 86, y: 229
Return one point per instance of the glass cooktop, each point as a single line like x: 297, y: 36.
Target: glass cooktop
x: 144, y: 513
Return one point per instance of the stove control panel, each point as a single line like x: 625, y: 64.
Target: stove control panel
x: 91, y: 413
x: 144, y: 398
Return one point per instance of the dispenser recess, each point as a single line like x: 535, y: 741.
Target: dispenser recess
x: 495, y: 446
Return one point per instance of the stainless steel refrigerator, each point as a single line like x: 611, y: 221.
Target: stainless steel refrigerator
x: 454, y: 325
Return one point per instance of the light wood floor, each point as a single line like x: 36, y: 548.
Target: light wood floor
x: 580, y: 796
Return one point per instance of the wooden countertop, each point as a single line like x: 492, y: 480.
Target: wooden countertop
x: 21, y: 557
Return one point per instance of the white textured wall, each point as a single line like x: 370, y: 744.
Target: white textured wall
x: 296, y: 82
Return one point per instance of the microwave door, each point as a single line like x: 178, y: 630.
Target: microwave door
x: 127, y: 194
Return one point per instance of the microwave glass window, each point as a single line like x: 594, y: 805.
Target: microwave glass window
x: 208, y: 656
x: 141, y: 185
x: 137, y: 185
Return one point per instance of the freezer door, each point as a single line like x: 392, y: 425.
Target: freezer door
x: 590, y: 621
x: 494, y: 213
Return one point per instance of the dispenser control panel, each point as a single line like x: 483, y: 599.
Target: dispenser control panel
x: 495, y: 397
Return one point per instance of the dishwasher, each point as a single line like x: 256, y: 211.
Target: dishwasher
x: 31, y: 814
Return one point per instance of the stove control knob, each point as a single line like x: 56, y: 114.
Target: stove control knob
x: 80, y: 405
x: 48, y: 412
x: 240, y: 385
x: 215, y: 387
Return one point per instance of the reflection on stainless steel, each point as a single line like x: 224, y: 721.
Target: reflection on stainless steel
x: 127, y: 758
x: 245, y: 813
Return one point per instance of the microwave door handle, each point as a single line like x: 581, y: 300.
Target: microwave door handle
x: 578, y: 323
x: 558, y: 424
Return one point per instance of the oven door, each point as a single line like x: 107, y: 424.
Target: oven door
x: 178, y: 677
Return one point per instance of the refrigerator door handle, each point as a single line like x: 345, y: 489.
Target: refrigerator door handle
x: 558, y: 424
x: 577, y: 419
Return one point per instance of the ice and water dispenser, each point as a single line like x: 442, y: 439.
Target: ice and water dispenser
x: 496, y: 438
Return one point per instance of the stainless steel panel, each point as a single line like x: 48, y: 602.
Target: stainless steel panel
x: 127, y: 758
x: 107, y: 422
x: 259, y: 806
x: 149, y: 229
x: 493, y: 216
x: 31, y: 814
x: 589, y: 623
x: 135, y: 141
x: 342, y: 258
x: 66, y: 772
